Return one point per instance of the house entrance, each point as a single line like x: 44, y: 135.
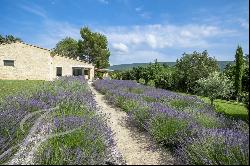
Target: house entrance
x: 77, y: 71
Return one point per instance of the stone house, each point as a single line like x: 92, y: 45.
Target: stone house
x: 21, y: 61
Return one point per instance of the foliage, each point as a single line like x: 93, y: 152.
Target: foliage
x: 94, y: 46
x: 214, y: 85
x: 141, y: 81
x: 192, y: 67
x: 157, y: 74
x: 8, y: 39
x: 239, y: 61
x: 151, y: 83
x: 67, y: 47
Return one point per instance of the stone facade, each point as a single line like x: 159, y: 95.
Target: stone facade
x: 35, y: 63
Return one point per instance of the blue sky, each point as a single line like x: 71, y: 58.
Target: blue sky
x: 137, y: 30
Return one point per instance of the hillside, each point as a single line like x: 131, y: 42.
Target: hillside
x: 222, y: 65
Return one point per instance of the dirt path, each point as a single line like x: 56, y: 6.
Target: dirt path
x: 136, y: 147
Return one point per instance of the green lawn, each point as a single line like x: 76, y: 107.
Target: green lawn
x: 10, y: 87
x: 230, y: 108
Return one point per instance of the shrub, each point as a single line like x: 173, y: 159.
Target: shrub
x: 140, y: 116
x: 214, y: 86
x: 151, y: 83
x: 141, y: 81
x: 207, y: 120
x: 167, y: 130
x: 126, y: 105
x: 179, y: 104
x: 215, y: 147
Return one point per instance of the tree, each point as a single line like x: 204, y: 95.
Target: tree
x: 94, y: 47
x: 229, y: 71
x: 8, y: 39
x: 192, y: 67
x: 67, y: 47
x: 239, y: 62
x: 214, y: 86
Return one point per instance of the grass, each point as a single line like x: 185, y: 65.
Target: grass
x: 10, y: 87
x: 230, y: 108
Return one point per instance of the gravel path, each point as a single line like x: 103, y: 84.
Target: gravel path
x: 137, y: 147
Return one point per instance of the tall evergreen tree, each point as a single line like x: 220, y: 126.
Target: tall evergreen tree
x: 239, y: 62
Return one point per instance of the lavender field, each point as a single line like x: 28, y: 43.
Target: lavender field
x: 190, y: 128
x: 70, y: 133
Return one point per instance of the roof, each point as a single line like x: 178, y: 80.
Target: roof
x: 43, y: 49
x: 103, y: 70
x: 27, y: 45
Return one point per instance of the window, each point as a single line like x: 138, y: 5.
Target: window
x: 77, y: 71
x: 58, y: 71
x: 8, y: 62
x: 86, y: 72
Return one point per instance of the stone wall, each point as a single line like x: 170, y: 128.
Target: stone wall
x: 67, y: 64
x: 29, y: 62
x: 35, y: 63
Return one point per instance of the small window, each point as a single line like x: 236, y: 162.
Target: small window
x: 8, y: 62
x: 58, y: 71
x: 86, y: 72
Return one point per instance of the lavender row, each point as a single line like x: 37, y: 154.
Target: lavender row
x: 77, y: 109
x: 191, y: 127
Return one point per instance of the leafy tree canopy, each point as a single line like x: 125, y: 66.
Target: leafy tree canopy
x: 67, y: 47
x: 192, y: 67
x: 214, y: 86
x: 92, y: 47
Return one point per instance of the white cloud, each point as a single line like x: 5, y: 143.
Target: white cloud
x: 244, y: 23
x: 138, y: 9
x: 145, y: 15
x: 120, y: 48
x: 141, y: 12
x: 146, y: 43
x: 138, y: 56
x: 104, y: 1
x: 54, y: 31
x: 131, y: 44
x: 34, y: 9
x: 151, y: 40
x: 164, y: 36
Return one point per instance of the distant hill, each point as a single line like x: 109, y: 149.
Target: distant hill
x: 222, y: 65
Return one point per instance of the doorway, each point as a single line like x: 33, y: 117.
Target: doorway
x: 77, y: 71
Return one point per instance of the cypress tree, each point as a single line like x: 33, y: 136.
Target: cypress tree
x: 239, y: 62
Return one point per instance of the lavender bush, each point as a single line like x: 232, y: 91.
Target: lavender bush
x: 215, y: 147
x: 181, y: 121
x: 89, y: 143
